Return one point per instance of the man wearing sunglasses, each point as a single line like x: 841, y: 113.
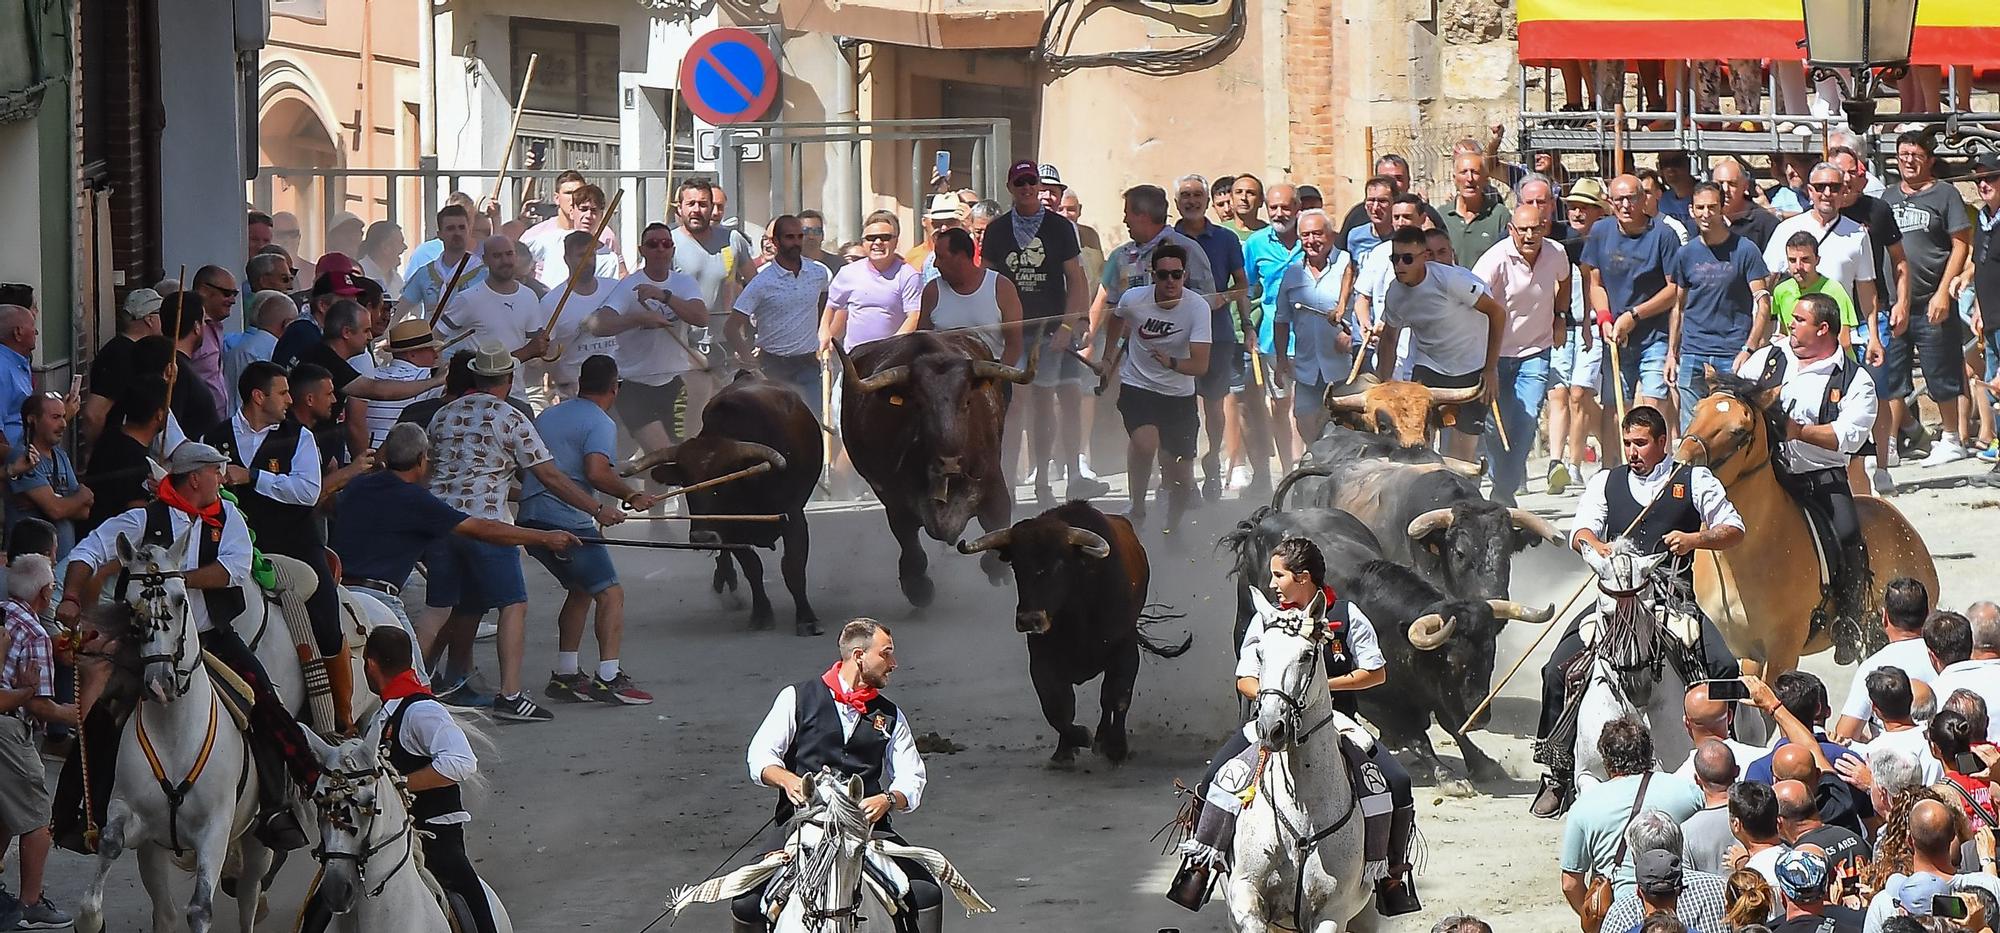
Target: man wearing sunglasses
x: 1982, y: 275
x: 1454, y: 328
x: 1937, y: 238
x: 217, y: 288
x: 1038, y: 250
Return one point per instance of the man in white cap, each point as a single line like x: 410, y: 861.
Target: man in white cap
x: 113, y: 366
x: 946, y: 212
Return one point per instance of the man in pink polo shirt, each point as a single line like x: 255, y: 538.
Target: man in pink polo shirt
x: 1530, y: 277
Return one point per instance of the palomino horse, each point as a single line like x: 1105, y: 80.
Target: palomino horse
x: 1298, y: 855
x: 368, y: 835
x: 1639, y: 662
x: 1762, y: 593
x: 185, y: 785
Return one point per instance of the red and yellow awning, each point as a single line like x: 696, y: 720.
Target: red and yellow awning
x: 1949, y: 32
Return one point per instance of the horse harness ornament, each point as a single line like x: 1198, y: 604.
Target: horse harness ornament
x: 177, y: 793
x: 339, y: 807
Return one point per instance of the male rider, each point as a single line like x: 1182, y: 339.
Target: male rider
x: 1829, y: 406
x: 841, y: 720
x: 1658, y: 507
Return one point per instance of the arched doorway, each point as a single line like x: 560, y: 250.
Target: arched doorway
x: 291, y: 134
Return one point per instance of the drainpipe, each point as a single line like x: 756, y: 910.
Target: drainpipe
x: 845, y: 158
x: 427, y: 73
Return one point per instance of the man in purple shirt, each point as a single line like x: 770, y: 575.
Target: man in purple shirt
x: 216, y: 287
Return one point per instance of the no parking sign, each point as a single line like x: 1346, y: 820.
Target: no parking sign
x: 729, y: 76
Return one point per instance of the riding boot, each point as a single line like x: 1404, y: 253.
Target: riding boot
x: 277, y: 826
x: 1555, y: 795
x: 930, y: 919
x: 1397, y: 894
x: 340, y: 677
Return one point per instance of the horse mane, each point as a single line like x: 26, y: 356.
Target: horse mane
x: 1745, y: 389
x: 842, y: 811
x: 113, y: 624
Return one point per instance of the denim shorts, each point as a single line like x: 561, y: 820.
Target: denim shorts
x: 1644, y: 368
x: 799, y: 373
x: 1054, y: 367
x: 585, y: 569
x: 473, y: 576
x: 1572, y: 366
x: 1308, y: 400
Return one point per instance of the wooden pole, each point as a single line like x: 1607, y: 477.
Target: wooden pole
x: 1618, y: 140
x: 705, y: 518
x: 673, y: 132
x: 1617, y: 376
x: 569, y: 282
x: 725, y: 478
x: 513, y: 129
x: 174, y: 336
x: 1500, y: 424
x: 1368, y: 148
x: 437, y: 313
x: 1555, y: 622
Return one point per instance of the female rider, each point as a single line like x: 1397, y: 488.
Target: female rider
x: 1354, y: 662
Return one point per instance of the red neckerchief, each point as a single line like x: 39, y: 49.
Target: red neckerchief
x: 855, y: 699
x: 404, y: 685
x: 1326, y: 593
x: 211, y: 516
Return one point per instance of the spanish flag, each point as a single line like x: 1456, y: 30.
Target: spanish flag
x: 1949, y: 32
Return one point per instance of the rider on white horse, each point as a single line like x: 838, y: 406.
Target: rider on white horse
x: 1354, y: 662
x: 841, y: 720
x: 216, y: 570
x: 1657, y: 507
x: 422, y: 741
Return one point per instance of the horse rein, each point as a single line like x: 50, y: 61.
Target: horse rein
x: 152, y: 590
x: 817, y: 867
x: 337, y: 808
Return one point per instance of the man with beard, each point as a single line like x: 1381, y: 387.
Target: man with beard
x: 1266, y: 255
x: 1225, y: 264
x: 720, y: 261
x: 782, y: 303
x: 424, y: 284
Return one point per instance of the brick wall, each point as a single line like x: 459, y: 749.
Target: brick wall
x: 121, y: 124
x: 1312, y: 58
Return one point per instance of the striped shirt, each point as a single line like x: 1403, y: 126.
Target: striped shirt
x: 30, y: 658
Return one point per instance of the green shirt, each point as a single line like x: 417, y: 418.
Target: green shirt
x: 1472, y: 236
x: 1787, y: 294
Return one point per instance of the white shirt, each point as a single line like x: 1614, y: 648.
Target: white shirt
x: 100, y: 548
x: 785, y: 306
x: 1908, y: 654
x: 1709, y: 498
x: 300, y: 486
x: 382, y: 415
x: 494, y: 318
x: 429, y: 730
x: 1912, y: 742
x: 1442, y: 316
x: 1743, y: 752
x: 648, y: 354
x: 1845, y: 254
x: 1172, y: 331
x: 1362, y: 645
x: 576, y: 343
x: 1802, y: 393
x: 903, y: 772
x: 1979, y: 676
x: 544, y: 242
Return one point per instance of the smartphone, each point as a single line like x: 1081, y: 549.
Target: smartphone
x: 76, y: 386
x: 941, y: 168
x: 1968, y: 763
x: 1948, y: 905
x: 1731, y: 689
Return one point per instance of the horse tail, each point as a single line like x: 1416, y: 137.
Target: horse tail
x: 1155, y: 613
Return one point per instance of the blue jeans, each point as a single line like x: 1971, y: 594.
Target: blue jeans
x: 1643, y: 368
x: 1692, y: 384
x: 1523, y: 384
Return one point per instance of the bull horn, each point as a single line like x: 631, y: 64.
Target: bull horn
x: 1536, y: 525
x: 989, y: 541
x: 1430, y: 631
x: 988, y: 369
x: 1466, y: 468
x: 760, y: 452
x: 1089, y: 542
x: 1351, y: 401
x: 1515, y: 612
x: 1429, y: 523
x: 651, y: 460
x: 894, y: 375
x: 1453, y: 396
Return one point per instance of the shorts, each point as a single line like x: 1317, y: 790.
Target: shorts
x: 1938, y: 348
x: 587, y: 569
x: 1644, y: 372
x: 640, y: 404
x: 1572, y: 366
x: 1308, y: 400
x: 1471, y: 419
x: 1223, y: 355
x: 24, y: 792
x: 473, y: 576
x: 1176, y: 417
x: 1054, y: 367
x: 799, y: 373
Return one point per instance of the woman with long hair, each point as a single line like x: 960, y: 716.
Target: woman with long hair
x: 1750, y: 899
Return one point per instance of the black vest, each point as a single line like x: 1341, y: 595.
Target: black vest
x: 1674, y: 510
x: 281, y: 527
x: 1837, y: 384
x: 224, y: 603
x: 426, y: 805
x: 817, y: 742
x: 1339, y: 655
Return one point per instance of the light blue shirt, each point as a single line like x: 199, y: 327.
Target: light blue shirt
x: 1360, y: 240
x: 573, y: 431
x: 425, y: 252
x: 17, y: 382
x: 424, y: 286
x: 1265, y: 259
x: 1597, y: 820
x: 1317, y: 359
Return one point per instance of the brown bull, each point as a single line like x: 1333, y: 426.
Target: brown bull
x: 1407, y: 413
x: 921, y: 415
x: 1762, y: 595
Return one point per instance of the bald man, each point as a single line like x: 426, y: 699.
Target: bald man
x: 1625, y: 266
x: 1800, y: 824
x: 1839, y: 803
x: 1706, y: 836
x: 1707, y: 719
x: 1267, y: 253
x: 1529, y: 275
x: 1933, y: 841
x: 502, y: 309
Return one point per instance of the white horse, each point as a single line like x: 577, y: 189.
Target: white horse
x: 369, y: 853
x: 186, y: 789
x: 262, y: 628
x: 829, y: 838
x: 1636, y: 659
x: 1299, y: 853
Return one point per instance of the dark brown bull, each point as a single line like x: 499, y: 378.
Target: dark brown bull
x: 751, y: 421
x: 1082, y: 578
x: 921, y: 416
x: 1408, y: 413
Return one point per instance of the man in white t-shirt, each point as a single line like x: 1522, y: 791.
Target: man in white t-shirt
x: 1974, y: 660
x: 578, y: 206
x: 1170, y: 329
x: 647, y: 317
x: 1454, y: 326
x: 1892, y: 694
x: 501, y: 310
x: 569, y: 338
x: 413, y: 352
x: 1906, y: 603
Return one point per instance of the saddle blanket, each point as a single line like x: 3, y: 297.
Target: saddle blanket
x: 879, y: 850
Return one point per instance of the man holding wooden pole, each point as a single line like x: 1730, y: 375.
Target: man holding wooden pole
x: 646, y: 315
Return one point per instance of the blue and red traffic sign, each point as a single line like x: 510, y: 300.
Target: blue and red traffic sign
x: 729, y: 76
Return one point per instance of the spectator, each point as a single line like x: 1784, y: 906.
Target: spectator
x: 1476, y: 219
x: 1753, y: 818
x: 1310, y: 198
x: 1376, y: 193
x: 1220, y: 197
x: 1707, y: 719
x: 1746, y: 219
x: 1979, y: 670
x: 1706, y: 836
x: 27, y: 707
x: 1970, y: 705
x: 1803, y: 875
x: 1800, y: 824
x: 1932, y: 843
x: 270, y: 270
x: 1313, y: 313
x: 19, y: 329
x: 195, y: 406
x: 813, y: 224
x: 1224, y: 252
x: 1267, y: 253
x: 343, y: 235
x: 217, y: 290
x: 413, y: 352
x: 1789, y: 196
x: 1576, y: 368
x: 1157, y: 372
x: 1530, y: 277
x: 1038, y: 251
x: 112, y: 369
x: 344, y: 338
x: 1937, y: 238
x: 1952, y: 737
x: 1594, y: 829
x: 1653, y: 187
x: 1839, y: 803
x: 651, y: 315
x: 1397, y: 170
x: 119, y: 468
x: 1458, y: 923
x: 878, y: 298
x: 584, y: 442
x: 382, y: 249
x: 1751, y: 901
x: 1626, y: 263
x: 1246, y: 198
x: 42, y: 482
x: 1802, y: 277
x: 1906, y: 603
x: 313, y: 404
x: 1804, y: 696
x: 1664, y: 884
x: 570, y: 339
x: 945, y: 213
x: 1677, y: 183
x: 1892, y: 694
x: 1722, y: 309
x: 305, y: 331
x: 424, y: 283
x: 1442, y: 307
x: 257, y: 231
x: 1538, y: 192
x: 285, y: 232
x: 578, y: 205
x: 1982, y: 270
x: 783, y: 304
x: 269, y: 313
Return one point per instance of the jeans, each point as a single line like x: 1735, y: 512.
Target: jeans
x: 1642, y: 368
x: 1523, y: 384
x: 1692, y: 384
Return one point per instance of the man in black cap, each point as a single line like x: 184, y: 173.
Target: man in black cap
x: 1037, y: 249
x: 1697, y: 898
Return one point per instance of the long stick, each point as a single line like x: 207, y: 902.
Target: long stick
x: 569, y: 283
x: 1555, y: 622
x: 705, y: 518
x: 1500, y: 424
x: 666, y: 545
x: 673, y: 133
x: 451, y: 286
x: 1618, y: 140
x: 1617, y: 377
x: 514, y: 129
x: 1360, y: 354
x: 180, y: 310
x: 725, y: 478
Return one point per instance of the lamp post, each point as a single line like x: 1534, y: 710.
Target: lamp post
x: 1861, y: 45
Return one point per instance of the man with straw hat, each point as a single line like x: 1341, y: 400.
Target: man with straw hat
x: 413, y: 351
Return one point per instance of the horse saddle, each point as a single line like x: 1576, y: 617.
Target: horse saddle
x: 881, y: 877
x: 236, y: 695
x: 1685, y: 628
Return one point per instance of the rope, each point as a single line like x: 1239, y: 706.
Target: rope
x: 718, y: 867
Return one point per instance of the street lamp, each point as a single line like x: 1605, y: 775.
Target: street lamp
x: 1867, y: 39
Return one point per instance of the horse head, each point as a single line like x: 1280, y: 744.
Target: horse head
x: 359, y: 798
x: 157, y: 595
x: 827, y: 838
x: 1289, y: 681
x: 1731, y: 432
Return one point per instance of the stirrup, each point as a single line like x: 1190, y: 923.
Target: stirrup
x: 1191, y: 885
x: 1397, y: 895
x: 1553, y: 800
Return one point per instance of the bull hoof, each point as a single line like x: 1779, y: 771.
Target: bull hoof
x: 1063, y: 760
x: 1113, y: 746
x: 996, y: 569
x: 806, y: 628
x: 1488, y: 772
x: 762, y: 620
x: 919, y: 590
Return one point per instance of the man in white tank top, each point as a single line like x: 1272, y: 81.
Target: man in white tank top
x: 966, y: 295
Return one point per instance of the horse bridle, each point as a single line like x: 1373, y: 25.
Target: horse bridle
x: 815, y: 917
x: 1295, y: 708
x: 152, y: 591
x: 338, y: 808
x: 1712, y: 462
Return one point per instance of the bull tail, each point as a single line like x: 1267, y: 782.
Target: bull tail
x: 1155, y: 613
x: 1239, y: 539
x: 1285, y: 485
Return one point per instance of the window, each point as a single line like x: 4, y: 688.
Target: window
x: 578, y: 70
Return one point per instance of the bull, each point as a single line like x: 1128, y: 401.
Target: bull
x: 1426, y: 515
x: 1408, y: 414
x: 1440, y: 651
x: 751, y: 421
x: 921, y: 415
x: 1082, y: 578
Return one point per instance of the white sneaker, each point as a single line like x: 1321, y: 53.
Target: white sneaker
x: 1895, y: 456
x: 1083, y: 467
x: 1884, y: 483
x: 1946, y: 450
x: 1239, y: 477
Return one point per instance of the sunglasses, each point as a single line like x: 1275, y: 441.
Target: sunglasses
x: 878, y: 238
x: 1406, y: 259
x: 1826, y: 186
x: 224, y: 292
x: 1171, y: 275
x: 815, y: 231
x: 657, y: 244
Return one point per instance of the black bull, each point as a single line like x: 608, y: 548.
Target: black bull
x: 751, y: 421
x: 1082, y: 577
x: 921, y: 414
x: 1440, y: 650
